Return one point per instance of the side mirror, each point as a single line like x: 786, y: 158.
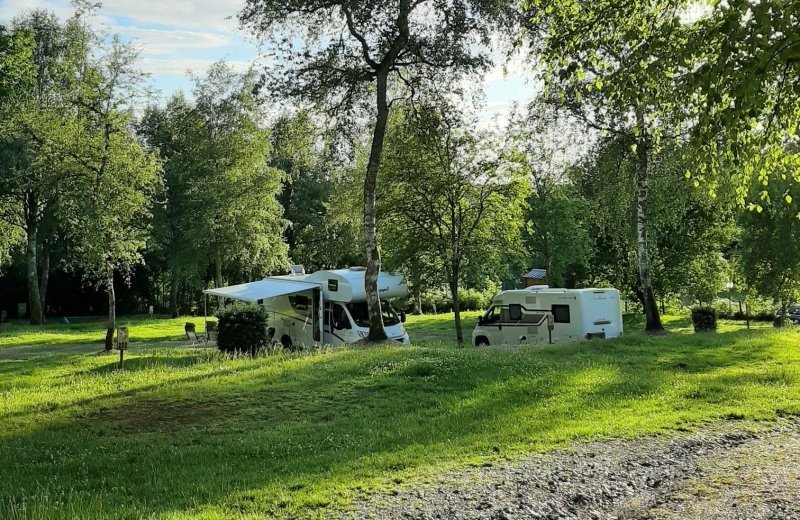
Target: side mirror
x: 402, y: 317
x: 480, y: 320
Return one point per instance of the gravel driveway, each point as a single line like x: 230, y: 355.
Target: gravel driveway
x: 730, y: 470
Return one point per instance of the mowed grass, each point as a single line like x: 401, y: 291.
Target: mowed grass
x: 140, y: 329
x: 185, y: 433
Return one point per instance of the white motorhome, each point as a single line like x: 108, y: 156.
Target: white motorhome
x: 540, y: 314
x: 322, y: 308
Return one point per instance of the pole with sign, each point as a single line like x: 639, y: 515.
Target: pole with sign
x: 551, y: 324
x: 122, y: 344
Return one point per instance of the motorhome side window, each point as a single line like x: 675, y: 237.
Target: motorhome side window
x: 560, y: 313
x: 299, y: 302
x: 514, y: 312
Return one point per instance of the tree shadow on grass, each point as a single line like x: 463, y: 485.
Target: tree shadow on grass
x: 280, y: 435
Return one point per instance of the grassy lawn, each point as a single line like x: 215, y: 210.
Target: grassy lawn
x: 184, y: 433
x: 141, y: 329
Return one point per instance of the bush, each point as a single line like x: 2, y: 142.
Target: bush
x: 704, y: 319
x: 471, y: 299
x: 242, y: 328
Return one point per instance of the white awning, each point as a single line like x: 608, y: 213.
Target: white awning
x: 262, y: 289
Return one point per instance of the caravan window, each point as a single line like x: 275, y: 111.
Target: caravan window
x: 300, y: 303
x: 514, y: 312
x: 560, y: 313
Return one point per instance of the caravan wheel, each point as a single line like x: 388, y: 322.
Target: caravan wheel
x: 286, y: 342
x: 481, y: 341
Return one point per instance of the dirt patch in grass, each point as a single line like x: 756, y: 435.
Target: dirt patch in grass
x: 144, y: 415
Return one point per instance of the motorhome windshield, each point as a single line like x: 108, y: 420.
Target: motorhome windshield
x: 360, y: 314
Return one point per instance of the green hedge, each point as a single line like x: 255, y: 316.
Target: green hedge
x: 242, y: 328
x: 704, y: 319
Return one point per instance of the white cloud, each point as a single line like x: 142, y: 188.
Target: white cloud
x: 180, y: 67
x: 9, y: 9
x: 212, y: 15
x: 159, y: 42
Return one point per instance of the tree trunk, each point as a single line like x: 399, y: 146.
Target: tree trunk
x: 218, y: 278
x: 112, y: 308
x: 376, y: 330
x: 45, y: 278
x: 783, y: 320
x: 653, y: 320
x: 34, y: 297
x: 456, y: 307
x: 173, y: 293
x: 418, y: 300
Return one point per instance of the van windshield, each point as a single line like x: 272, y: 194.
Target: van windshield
x: 358, y: 310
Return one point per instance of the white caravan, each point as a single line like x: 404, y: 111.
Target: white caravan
x: 540, y: 314
x: 325, y: 307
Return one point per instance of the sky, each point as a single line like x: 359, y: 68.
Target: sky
x: 175, y: 36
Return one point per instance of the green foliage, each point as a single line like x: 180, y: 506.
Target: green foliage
x: 470, y: 299
x: 323, y: 215
x: 743, y: 92
x: 238, y: 216
x: 44, y: 68
x: 706, y: 277
x: 769, y: 245
x: 687, y: 229
x: 117, y: 173
x: 346, y: 46
x: 218, y: 204
x: 704, y: 319
x: 556, y: 216
x: 242, y: 328
x: 448, y: 207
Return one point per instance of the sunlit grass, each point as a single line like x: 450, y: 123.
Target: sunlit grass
x: 141, y: 329
x: 184, y: 433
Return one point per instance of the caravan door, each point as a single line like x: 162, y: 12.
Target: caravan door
x: 338, y: 329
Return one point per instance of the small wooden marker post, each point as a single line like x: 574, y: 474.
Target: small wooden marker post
x: 122, y: 344
x: 551, y: 324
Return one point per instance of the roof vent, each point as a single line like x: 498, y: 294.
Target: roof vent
x: 358, y: 268
x: 297, y: 270
x: 537, y: 287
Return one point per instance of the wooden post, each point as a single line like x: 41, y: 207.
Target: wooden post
x: 205, y: 320
x: 747, y: 310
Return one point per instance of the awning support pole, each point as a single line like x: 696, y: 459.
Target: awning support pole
x: 321, y: 318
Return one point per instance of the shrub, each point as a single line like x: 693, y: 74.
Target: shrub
x: 242, y: 328
x: 704, y: 319
x: 471, y: 299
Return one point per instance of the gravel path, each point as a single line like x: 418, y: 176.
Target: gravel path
x: 731, y: 470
